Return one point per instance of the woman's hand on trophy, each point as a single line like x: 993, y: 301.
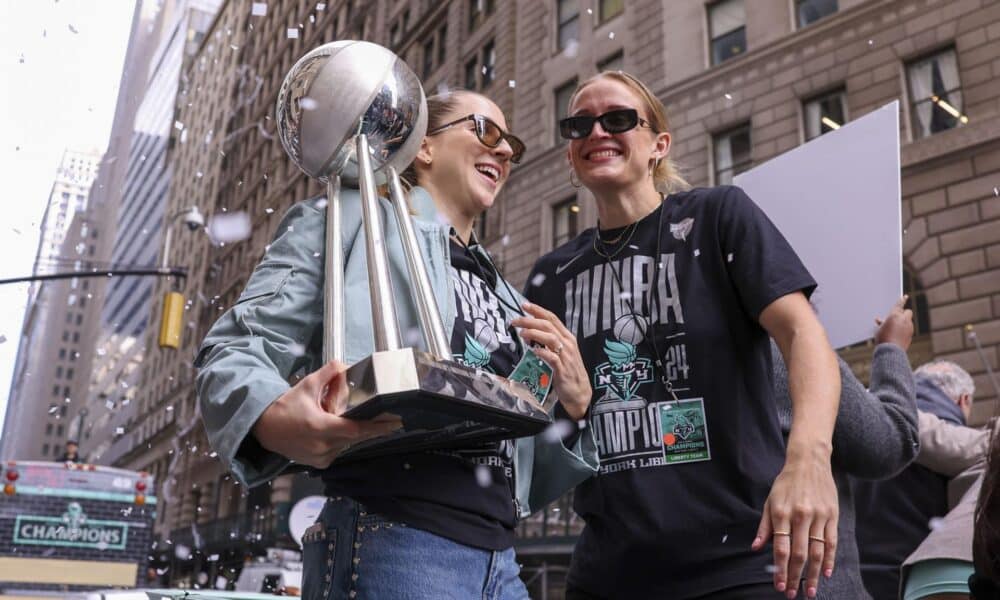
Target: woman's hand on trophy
x: 557, y: 346
x: 304, y: 425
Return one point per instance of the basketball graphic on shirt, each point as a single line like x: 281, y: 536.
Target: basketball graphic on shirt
x: 485, y: 334
x: 630, y: 329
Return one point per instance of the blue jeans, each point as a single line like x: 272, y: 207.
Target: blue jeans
x: 351, y: 553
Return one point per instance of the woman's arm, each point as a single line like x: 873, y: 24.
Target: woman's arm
x: 801, y: 511
x: 876, y: 435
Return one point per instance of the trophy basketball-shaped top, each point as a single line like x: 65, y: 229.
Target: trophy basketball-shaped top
x: 353, y: 113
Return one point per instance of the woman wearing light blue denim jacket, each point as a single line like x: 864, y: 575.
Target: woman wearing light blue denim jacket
x: 423, y: 525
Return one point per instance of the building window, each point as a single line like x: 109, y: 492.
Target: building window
x: 471, y: 79
x: 62, y: 354
x: 615, y: 62
x: 65, y: 337
x: 59, y: 372
x: 562, y: 96
x: 824, y: 113
x: 568, y: 19
x: 48, y: 429
x: 609, y: 9
x: 428, y: 65
x: 66, y: 392
x: 727, y: 30
x: 45, y: 449
x: 76, y: 337
x: 810, y: 11
x: 478, y: 11
x: 732, y: 153
x: 69, y: 373
x: 55, y: 391
x: 441, y: 44
x: 935, y: 94
x: 59, y: 430
x: 565, y: 221
x: 489, y: 63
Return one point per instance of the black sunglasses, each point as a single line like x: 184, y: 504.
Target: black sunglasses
x: 490, y: 134
x: 615, y: 121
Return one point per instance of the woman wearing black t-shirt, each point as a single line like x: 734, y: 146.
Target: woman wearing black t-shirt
x: 671, y: 299
x: 422, y: 525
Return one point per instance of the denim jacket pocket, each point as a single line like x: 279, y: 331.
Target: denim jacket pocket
x: 266, y: 281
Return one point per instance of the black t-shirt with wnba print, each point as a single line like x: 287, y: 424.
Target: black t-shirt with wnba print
x: 465, y: 495
x: 678, y: 498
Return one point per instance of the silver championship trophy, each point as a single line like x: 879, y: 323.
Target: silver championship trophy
x: 352, y: 113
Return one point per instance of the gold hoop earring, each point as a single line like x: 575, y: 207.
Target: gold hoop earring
x: 655, y: 164
x: 572, y: 182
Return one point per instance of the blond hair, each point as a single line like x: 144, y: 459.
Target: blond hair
x: 666, y: 173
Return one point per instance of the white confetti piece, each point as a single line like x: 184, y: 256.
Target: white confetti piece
x: 230, y: 227
x: 73, y: 29
x: 511, y: 83
x: 505, y: 241
x: 293, y: 33
x: 178, y: 126
x: 871, y: 42
x: 538, y: 280
x: 590, y: 11
x: 321, y: 6
x: 308, y: 103
x: 321, y: 203
x: 259, y: 9
x: 935, y: 523
x: 611, y: 35
x: 199, y: 174
x: 213, y: 455
x: 119, y: 430
x: 729, y: 96
x: 557, y: 431
x: 296, y: 349
x: 269, y: 210
x: 771, y: 569
x: 729, y: 257
x: 483, y: 478
x: 221, y: 582
x: 181, y: 551
x: 572, y: 49
x: 724, y: 538
x: 996, y: 191
x: 170, y: 407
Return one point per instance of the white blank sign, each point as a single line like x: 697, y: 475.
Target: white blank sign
x: 837, y: 201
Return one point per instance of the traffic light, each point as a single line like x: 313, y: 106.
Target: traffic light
x: 171, y: 321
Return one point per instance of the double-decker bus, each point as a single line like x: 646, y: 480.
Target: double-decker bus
x: 72, y: 527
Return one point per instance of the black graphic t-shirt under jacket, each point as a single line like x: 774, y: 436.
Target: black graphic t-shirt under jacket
x: 465, y: 495
x: 662, y: 523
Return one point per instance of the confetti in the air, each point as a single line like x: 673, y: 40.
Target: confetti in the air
x: 321, y: 203
x: 996, y: 191
x: 611, y: 35
x: 572, y: 49
x: 221, y: 582
x: 269, y: 210
x: 538, y: 280
x: 178, y: 126
x: 3, y: 338
x: 321, y: 6
x: 590, y: 11
x: 871, y: 42
x: 511, y: 83
x: 729, y: 96
x: 181, y: 551
x: 73, y: 29
x: 296, y: 349
x: 558, y: 430
x: 729, y: 257
x: 935, y: 523
x: 119, y: 430
x: 725, y: 537
x: 505, y: 240
x: 293, y: 33
x: 308, y: 103
x: 229, y: 227
x: 259, y: 9
x: 771, y: 569
x: 697, y: 252
x: 483, y: 478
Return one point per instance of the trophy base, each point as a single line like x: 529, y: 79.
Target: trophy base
x: 443, y: 404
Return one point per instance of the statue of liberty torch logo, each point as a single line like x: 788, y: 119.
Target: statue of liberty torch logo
x: 624, y: 372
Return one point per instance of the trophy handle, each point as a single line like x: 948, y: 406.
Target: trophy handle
x: 384, y: 323
x: 427, y: 309
x: 333, y: 299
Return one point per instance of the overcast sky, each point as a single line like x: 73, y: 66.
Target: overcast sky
x: 60, y: 65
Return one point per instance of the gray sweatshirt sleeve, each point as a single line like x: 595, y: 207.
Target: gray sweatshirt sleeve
x: 876, y: 434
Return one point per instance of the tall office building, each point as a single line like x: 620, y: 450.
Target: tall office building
x: 49, y: 380
x: 176, y: 31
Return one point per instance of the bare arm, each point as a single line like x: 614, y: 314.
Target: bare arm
x: 801, y: 511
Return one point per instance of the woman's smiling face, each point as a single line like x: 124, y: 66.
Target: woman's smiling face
x: 605, y: 160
